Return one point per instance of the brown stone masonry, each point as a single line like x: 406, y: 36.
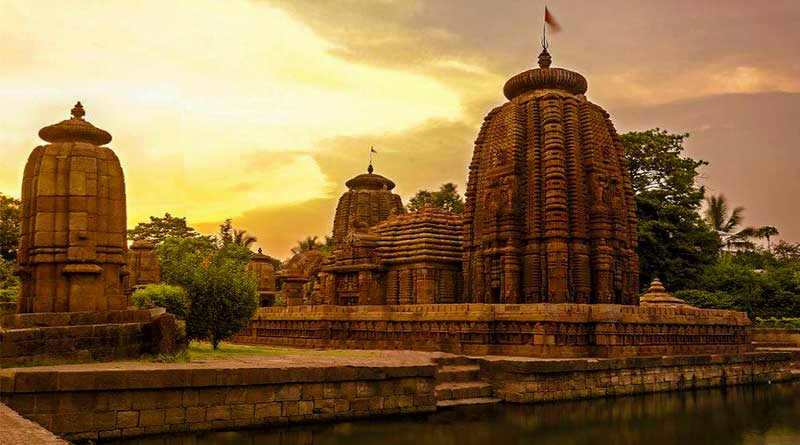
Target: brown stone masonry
x: 107, y: 403
x: 536, y: 330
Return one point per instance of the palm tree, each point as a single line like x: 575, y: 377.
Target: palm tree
x: 242, y: 238
x: 767, y: 232
x: 310, y: 243
x: 726, y: 223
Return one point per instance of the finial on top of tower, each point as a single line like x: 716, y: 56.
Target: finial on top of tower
x: 371, y: 151
x: 544, y: 59
x: 370, y: 169
x: 78, y: 111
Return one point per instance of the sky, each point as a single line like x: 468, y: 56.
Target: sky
x: 259, y: 111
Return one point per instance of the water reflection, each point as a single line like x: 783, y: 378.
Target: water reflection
x: 753, y: 415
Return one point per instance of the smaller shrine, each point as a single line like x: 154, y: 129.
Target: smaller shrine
x: 143, y: 266
x: 261, y: 266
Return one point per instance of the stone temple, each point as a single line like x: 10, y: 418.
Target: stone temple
x: 542, y: 263
x: 549, y: 215
x: 72, y: 258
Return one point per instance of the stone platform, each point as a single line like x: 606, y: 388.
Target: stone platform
x: 532, y: 330
x: 72, y: 337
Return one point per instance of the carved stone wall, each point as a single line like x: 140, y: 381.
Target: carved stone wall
x: 73, y: 234
x: 549, y: 206
x: 261, y: 266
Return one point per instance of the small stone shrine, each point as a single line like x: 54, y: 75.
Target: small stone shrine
x: 261, y: 266
x: 72, y: 258
x: 143, y: 266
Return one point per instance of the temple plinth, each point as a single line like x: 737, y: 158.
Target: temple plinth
x: 549, y: 214
x: 73, y: 234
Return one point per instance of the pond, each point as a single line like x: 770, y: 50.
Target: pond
x: 761, y: 414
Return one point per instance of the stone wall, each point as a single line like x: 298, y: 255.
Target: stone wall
x: 536, y: 381
x: 73, y: 337
x: 108, y: 403
x: 777, y: 337
x: 538, y: 330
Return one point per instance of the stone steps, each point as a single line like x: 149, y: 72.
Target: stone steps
x: 458, y: 373
x: 467, y: 402
x: 774, y: 344
x: 462, y: 390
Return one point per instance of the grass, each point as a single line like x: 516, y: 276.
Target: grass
x: 204, y: 351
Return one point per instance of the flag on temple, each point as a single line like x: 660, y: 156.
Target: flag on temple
x: 551, y: 21
x: 372, y: 150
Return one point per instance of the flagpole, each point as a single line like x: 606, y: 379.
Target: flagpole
x: 544, y: 29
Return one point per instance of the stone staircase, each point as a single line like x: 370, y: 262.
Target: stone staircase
x: 458, y: 383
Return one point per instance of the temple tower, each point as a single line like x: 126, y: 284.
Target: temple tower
x: 549, y: 206
x: 73, y: 242
x: 367, y: 201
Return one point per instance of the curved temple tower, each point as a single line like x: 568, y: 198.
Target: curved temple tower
x: 549, y: 214
x: 73, y: 241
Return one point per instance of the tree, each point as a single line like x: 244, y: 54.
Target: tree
x: 222, y: 293
x: 726, y: 223
x: 310, y: 243
x: 159, y: 229
x: 447, y: 198
x: 8, y: 282
x: 767, y: 232
x: 230, y: 235
x: 674, y: 243
x: 10, y: 215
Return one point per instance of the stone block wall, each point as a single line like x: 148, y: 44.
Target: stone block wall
x: 536, y: 330
x: 74, y: 337
x: 537, y: 381
x: 777, y: 337
x: 110, y: 403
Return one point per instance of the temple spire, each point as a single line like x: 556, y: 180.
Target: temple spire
x: 77, y: 111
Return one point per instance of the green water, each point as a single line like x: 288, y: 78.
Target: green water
x: 757, y: 415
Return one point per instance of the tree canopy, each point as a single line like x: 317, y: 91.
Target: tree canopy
x: 159, y: 229
x: 10, y: 215
x: 674, y: 243
x: 447, y: 198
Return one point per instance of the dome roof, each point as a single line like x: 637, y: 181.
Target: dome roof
x: 75, y: 129
x: 545, y: 78
x: 370, y: 181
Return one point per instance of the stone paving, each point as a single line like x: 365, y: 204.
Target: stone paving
x: 16, y: 430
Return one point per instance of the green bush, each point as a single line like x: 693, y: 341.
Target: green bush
x: 171, y: 298
x: 7, y: 295
x: 222, y: 293
x: 781, y: 323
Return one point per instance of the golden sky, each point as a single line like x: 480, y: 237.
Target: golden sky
x: 259, y: 110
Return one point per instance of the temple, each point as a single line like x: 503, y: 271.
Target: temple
x: 72, y: 258
x: 542, y: 262
x: 549, y: 212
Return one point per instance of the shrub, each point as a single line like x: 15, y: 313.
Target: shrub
x: 222, y: 293
x: 781, y: 323
x: 171, y: 298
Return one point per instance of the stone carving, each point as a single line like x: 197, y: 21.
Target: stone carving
x: 73, y: 241
x: 143, y: 266
x: 657, y: 295
x: 367, y: 201
x: 549, y: 206
x: 301, y: 269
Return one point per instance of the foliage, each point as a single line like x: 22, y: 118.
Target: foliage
x: 447, y: 198
x: 159, y: 229
x: 230, y: 235
x: 674, y: 243
x: 171, y: 298
x: 313, y: 243
x: 10, y: 216
x: 8, y: 282
x: 727, y: 224
x: 780, y: 323
x: 756, y: 282
x: 222, y: 294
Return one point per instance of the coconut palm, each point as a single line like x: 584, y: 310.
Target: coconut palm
x: 726, y: 222
x: 242, y: 238
x: 767, y: 232
x: 310, y: 243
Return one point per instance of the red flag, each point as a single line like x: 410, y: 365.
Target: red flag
x: 551, y: 21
